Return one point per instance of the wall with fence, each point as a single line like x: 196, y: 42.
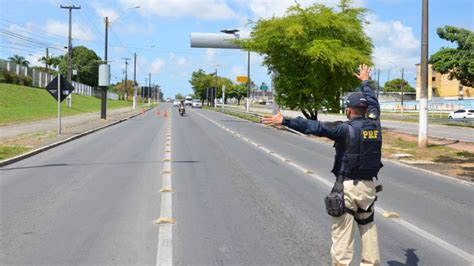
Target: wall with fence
x: 433, y: 105
x: 41, y: 79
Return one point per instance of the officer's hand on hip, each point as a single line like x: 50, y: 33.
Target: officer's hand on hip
x: 364, y: 72
x: 273, y: 120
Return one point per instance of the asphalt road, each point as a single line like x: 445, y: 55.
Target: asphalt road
x: 434, y: 130
x: 94, y: 200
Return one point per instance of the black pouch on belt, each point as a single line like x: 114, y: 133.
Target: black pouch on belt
x: 335, y: 200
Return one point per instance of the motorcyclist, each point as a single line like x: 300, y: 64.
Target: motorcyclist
x: 181, y: 107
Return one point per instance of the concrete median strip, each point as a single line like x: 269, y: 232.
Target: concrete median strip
x: 388, y: 214
x: 58, y: 143
x: 164, y: 253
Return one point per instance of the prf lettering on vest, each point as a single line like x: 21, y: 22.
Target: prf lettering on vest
x: 370, y: 134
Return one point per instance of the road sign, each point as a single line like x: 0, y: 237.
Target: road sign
x: 242, y: 79
x: 264, y: 87
x: 66, y: 88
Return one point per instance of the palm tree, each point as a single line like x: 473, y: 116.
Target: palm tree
x: 19, y: 60
x: 49, y: 61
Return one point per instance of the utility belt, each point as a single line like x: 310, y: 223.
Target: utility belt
x: 335, y: 205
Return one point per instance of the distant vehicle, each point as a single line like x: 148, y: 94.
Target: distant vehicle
x: 188, y: 100
x: 176, y: 103
x: 461, y: 113
x: 197, y: 103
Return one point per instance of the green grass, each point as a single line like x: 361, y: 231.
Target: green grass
x: 21, y: 104
x: 11, y: 151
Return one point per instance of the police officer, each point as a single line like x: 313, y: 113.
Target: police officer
x: 358, y: 159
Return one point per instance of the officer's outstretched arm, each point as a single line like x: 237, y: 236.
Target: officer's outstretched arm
x: 331, y: 130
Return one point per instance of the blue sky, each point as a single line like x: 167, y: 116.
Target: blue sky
x: 159, y: 33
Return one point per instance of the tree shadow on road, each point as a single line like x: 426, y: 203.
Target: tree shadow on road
x: 411, y: 259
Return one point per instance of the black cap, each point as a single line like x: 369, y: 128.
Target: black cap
x: 356, y: 99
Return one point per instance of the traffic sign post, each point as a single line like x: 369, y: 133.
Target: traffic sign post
x: 59, y: 88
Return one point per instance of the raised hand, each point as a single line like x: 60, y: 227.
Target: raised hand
x: 364, y: 72
x: 273, y: 120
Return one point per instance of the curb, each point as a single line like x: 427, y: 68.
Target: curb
x: 55, y: 144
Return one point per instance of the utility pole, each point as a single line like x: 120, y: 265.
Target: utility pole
x: 134, y: 81
x: 401, y: 88
x: 423, y: 120
x: 103, y: 98
x: 69, y: 50
x: 47, y: 57
x: 126, y: 72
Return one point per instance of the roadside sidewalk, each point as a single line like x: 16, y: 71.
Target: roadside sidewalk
x: 21, y: 138
x: 68, y: 123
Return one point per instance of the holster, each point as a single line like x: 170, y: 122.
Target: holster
x: 335, y: 200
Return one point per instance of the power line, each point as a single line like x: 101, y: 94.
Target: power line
x: 12, y: 35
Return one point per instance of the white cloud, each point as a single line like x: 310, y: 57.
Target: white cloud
x: 210, y: 55
x: 103, y: 12
x: 210, y: 10
x: 183, y: 62
x: 395, y: 45
x: 238, y: 71
x: 157, y: 65
x: 33, y: 59
x: 269, y: 8
x: 79, y: 31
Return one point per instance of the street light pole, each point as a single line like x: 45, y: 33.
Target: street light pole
x: 134, y: 81
x: 247, y: 107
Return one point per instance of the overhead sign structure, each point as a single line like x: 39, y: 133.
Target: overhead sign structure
x: 65, y: 88
x: 214, y: 40
x: 242, y: 79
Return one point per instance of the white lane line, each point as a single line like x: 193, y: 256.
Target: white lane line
x: 400, y: 221
x: 164, y: 252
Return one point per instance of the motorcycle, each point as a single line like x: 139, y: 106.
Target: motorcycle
x: 181, y: 110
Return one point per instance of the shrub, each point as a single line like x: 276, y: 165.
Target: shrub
x: 13, y: 78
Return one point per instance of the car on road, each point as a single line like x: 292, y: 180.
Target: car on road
x: 188, y: 100
x: 197, y: 103
x: 461, y: 113
x: 176, y: 103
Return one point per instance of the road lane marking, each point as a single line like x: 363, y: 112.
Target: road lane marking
x: 400, y: 221
x: 164, y: 252
x: 167, y: 189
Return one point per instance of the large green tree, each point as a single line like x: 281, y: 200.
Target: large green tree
x: 457, y: 62
x: 395, y: 85
x: 200, y: 81
x: 238, y: 91
x: 86, y: 62
x: 19, y: 60
x: 313, y: 53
